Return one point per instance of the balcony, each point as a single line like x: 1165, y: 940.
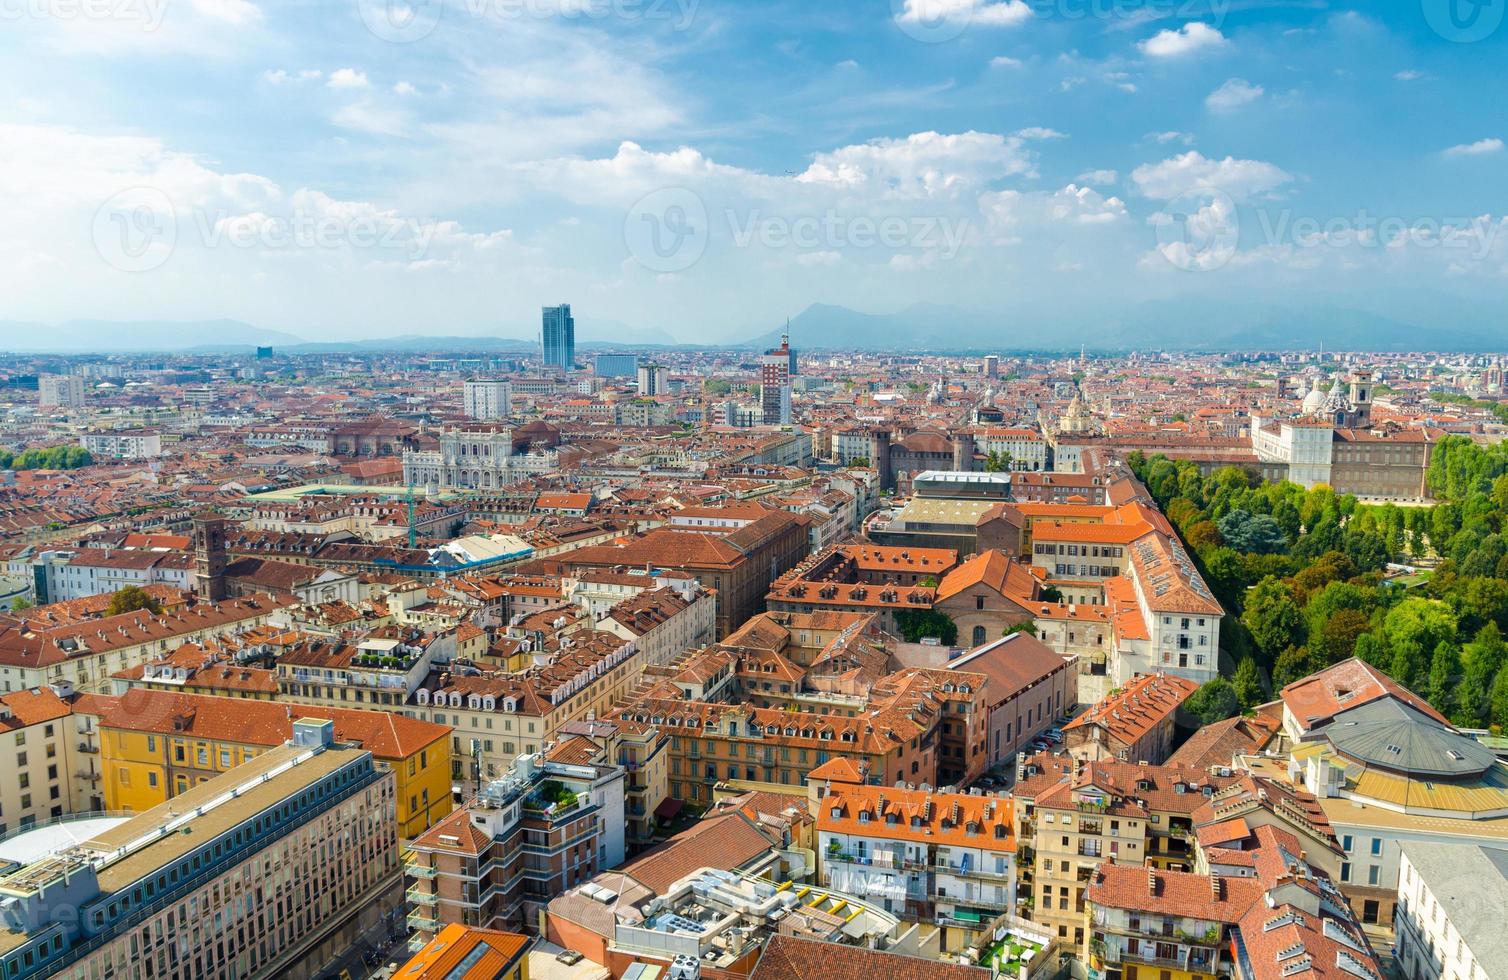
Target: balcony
x: 423, y: 921
x: 421, y: 871
x: 420, y: 897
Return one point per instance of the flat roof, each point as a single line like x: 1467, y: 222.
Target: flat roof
x: 266, y: 790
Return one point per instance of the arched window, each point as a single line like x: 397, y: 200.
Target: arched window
x: 979, y: 635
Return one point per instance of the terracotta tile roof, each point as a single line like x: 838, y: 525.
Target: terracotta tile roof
x: 727, y: 842
x: 1144, y: 703
x: 1174, y: 893
x: 1319, y: 697
x: 789, y: 958
x: 892, y: 813
x: 455, y: 834
x: 22, y: 709
x: 1220, y: 743
x: 993, y: 569
x: 385, y: 734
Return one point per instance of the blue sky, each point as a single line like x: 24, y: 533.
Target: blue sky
x: 700, y: 169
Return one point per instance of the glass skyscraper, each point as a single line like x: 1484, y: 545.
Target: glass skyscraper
x: 559, y: 337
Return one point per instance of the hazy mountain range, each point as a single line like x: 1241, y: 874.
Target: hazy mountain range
x: 1410, y: 322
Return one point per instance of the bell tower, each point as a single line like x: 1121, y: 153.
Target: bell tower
x: 209, y: 556
x: 1361, y: 397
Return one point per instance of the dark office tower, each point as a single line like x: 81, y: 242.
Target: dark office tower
x: 559, y: 337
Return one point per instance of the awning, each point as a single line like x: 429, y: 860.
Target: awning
x: 668, y: 808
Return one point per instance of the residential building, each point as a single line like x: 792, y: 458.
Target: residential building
x: 654, y: 379
x: 947, y: 859
x: 710, y: 742
x: 86, y: 654
x: 495, y: 718
x: 487, y: 400
x: 156, y: 746
x: 794, y: 958
x: 60, y: 391
x: 1073, y: 816
x: 539, y: 830
x: 267, y: 871
x: 122, y: 444
x: 559, y: 337
x: 36, y: 783
x: 1134, y: 724
x: 1145, y: 922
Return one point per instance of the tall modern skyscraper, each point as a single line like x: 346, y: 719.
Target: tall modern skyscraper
x: 559, y: 336
x: 775, y: 384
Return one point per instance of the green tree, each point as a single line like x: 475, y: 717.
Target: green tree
x: 1248, y: 683
x: 130, y: 599
x: 1444, y: 670
x: 1500, y: 699
x: 1273, y: 618
x: 19, y: 603
x: 997, y: 462
x: 915, y: 624
x: 1245, y: 531
x: 1025, y: 626
x: 1215, y: 701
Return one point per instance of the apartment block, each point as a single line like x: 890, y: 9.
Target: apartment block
x: 943, y: 858
x: 539, y: 830
x: 267, y: 871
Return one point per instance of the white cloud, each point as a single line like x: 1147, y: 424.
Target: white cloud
x: 922, y: 165
x: 1005, y: 61
x: 1232, y: 95
x: 404, y: 88
x: 348, y: 78
x: 368, y: 116
x: 1040, y: 133
x: 1004, y: 13
x: 1012, y: 215
x: 1481, y: 147
x: 1097, y: 177
x: 1192, y: 37
x: 1192, y: 172
x: 1409, y: 75
x: 821, y: 258
x: 275, y: 76
x: 1172, y: 136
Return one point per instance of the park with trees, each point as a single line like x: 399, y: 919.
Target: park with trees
x: 1305, y: 577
